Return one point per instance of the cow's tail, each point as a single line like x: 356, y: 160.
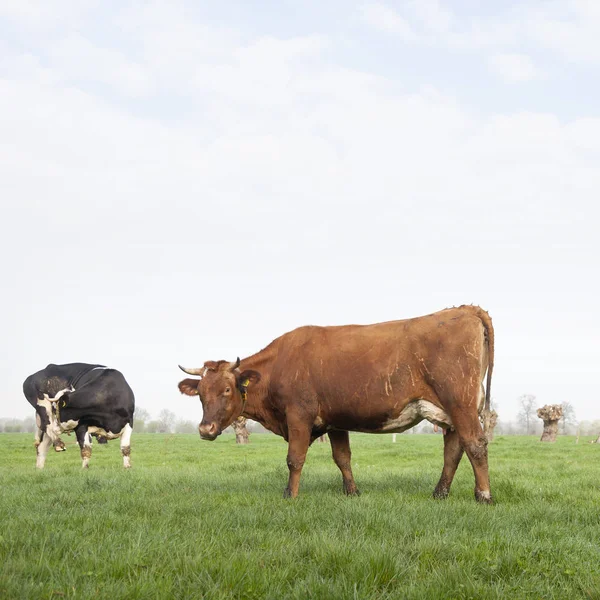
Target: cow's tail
x: 489, y: 329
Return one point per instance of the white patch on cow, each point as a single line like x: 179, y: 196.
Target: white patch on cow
x: 100, y: 369
x: 54, y: 428
x: 414, y: 413
x: 42, y: 451
x: 59, y: 395
x: 68, y: 425
x: 485, y: 494
x: 126, y: 445
x: 109, y: 435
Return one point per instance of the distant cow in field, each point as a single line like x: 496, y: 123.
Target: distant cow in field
x: 89, y: 399
x: 377, y: 378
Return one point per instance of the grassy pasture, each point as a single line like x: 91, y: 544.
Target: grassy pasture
x: 194, y: 519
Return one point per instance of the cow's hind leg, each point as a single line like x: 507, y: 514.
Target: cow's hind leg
x: 474, y: 442
x: 126, y: 445
x: 453, y: 452
x: 340, y: 449
x: 476, y: 449
x: 85, y: 443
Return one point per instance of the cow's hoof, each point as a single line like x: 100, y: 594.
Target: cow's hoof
x: 483, y: 497
x: 440, y: 493
x: 287, y: 493
x: 352, y: 491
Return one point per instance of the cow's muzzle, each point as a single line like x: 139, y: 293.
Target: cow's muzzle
x: 208, y: 431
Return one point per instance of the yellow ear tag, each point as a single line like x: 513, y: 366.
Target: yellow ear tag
x: 245, y: 383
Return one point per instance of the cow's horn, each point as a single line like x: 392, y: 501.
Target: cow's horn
x: 235, y: 365
x: 192, y: 371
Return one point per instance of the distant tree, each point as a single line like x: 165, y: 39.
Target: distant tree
x: 489, y: 420
x: 241, y: 433
x: 506, y: 428
x: 589, y: 427
x: 527, y: 411
x: 153, y: 426
x: 185, y: 427
x: 140, y: 417
x: 167, y: 420
x: 568, y: 416
x: 425, y: 427
x: 255, y: 427
x: 28, y: 425
x: 550, y: 414
x: 13, y: 426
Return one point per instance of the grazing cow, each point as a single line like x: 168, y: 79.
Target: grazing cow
x: 90, y: 399
x: 377, y: 378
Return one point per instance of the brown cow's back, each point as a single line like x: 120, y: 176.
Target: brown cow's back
x: 360, y: 376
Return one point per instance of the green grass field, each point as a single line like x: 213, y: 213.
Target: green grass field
x: 195, y: 519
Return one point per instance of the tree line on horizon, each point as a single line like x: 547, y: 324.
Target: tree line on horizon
x: 526, y: 422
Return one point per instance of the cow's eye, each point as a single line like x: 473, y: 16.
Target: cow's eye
x: 227, y: 390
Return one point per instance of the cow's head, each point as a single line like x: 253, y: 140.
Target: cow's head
x: 222, y: 388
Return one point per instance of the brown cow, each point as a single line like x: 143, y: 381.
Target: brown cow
x: 371, y: 378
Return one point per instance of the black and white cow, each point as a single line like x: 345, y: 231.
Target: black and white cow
x: 89, y: 399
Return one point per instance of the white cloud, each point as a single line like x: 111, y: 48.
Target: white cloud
x: 569, y: 29
x: 384, y: 18
x: 513, y: 68
x: 432, y: 14
x: 43, y: 15
x: 77, y: 60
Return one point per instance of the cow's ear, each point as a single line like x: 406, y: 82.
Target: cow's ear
x: 249, y: 377
x: 189, y: 387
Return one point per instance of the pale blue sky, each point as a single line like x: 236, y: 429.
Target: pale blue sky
x: 183, y: 182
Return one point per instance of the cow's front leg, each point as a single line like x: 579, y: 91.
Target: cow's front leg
x: 39, y: 432
x: 299, y: 440
x: 42, y: 450
x: 340, y: 449
x: 85, y: 443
